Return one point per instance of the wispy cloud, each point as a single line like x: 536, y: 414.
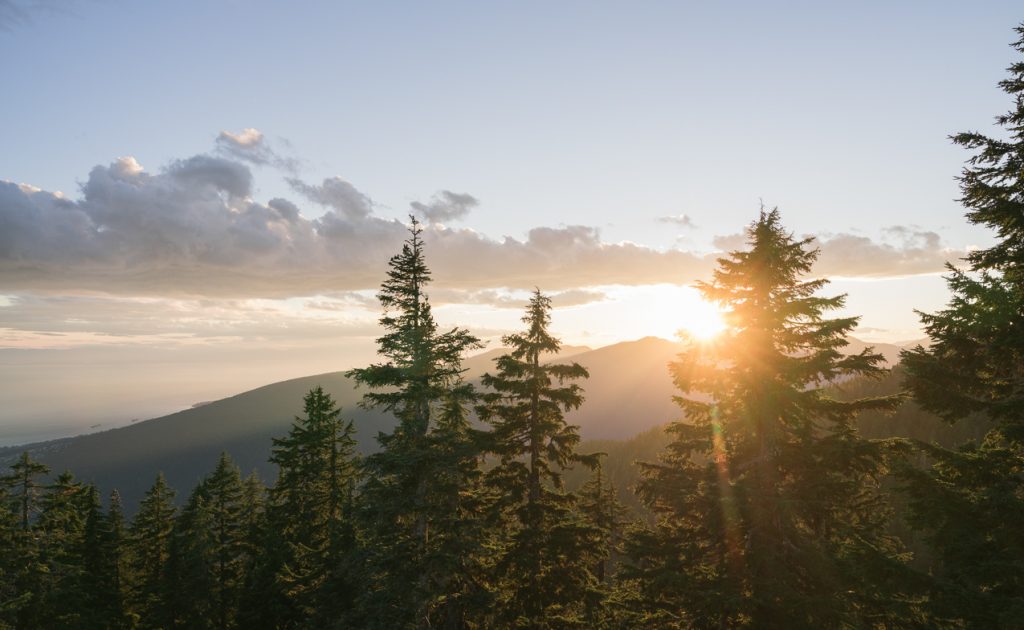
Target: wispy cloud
x: 446, y: 206
x: 682, y: 220
x: 250, y: 145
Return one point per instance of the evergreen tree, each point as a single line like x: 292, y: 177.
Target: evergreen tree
x: 209, y: 551
x: 116, y: 571
x: 10, y: 597
x: 192, y: 566
x: 149, y: 548
x: 23, y: 574
x: 61, y: 530
x: 23, y: 489
x: 970, y: 502
x: 262, y: 603
x: 225, y: 495
x: 310, y: 513
x: 599, y: 503
x: 416, y: 478
x: 100, y: 589
x: 766, y: 501
x: 544, y: 573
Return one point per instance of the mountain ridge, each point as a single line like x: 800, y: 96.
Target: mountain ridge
x: 629, y: 391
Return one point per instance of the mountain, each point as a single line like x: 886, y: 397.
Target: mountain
x: 629, y: 391
x: 185, y: 445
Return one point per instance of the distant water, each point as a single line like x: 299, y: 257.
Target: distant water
x: 31, y: 433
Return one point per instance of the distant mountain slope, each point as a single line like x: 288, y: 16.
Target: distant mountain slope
x: 185, y: 445
x: 629, y: 391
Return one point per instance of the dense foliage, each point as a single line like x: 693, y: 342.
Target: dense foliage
x: 970, y: 500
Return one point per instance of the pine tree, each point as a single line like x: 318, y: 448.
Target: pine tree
x: 310, y: 513
x: 413, y: 482
x: 192, y: 566
x: 262, y: 603
x: 23, y: 488
x: 600, y: 505
x: 61, y: 529
x: 209, y: 551
x: 10, y: 560
x: 23, y: 573
x: 767, y: 506
x: 544, y: 572
x: 970, y: 502
x: 149, y: 548
x: 224, y: 492
x: 117, y: 573
x: 100, y: 597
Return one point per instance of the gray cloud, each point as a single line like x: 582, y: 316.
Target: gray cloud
x: 193, y: 228
x: 335, y: 193
x: 730, y: 242
x: 903, y: 251
x: 682, y: 220
x: 915, y: 252
x: 446, y: 206
x: 252, y: 146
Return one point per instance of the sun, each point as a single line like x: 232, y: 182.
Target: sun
x: 681, y: 311
x: 704, y: 321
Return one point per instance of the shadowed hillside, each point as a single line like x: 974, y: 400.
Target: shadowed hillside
x: 185, y: 445
x: 629, y: 391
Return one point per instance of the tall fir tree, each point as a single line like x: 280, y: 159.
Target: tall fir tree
x: 600, y: 505
x: 23, y: 488
x: 209, y: 551
x: 310, y: 513
x: 11, y: 556
x: 225, y: 499
x: 101, y: 593
x: 416, y: 478
x: 61, y: 529
x: 24, y: 573
x: 191, y: 566
x: 970, y: 501
x: 149, y: 549
x: 767, y: 504
x: 544, y: 573
x: 115, y: 555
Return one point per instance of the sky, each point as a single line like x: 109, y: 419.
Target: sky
x: 198, y: 198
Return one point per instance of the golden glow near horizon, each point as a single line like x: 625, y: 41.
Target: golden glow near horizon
x: 686, y: 313
x: 619, y: 313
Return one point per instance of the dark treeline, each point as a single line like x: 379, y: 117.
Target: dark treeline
x: 767, y: 508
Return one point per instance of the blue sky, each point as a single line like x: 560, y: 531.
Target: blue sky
x: 589, y: 120
x: 595, y: 113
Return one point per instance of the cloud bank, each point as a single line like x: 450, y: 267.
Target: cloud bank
x: 193, y: 228
x: 905, y: 251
